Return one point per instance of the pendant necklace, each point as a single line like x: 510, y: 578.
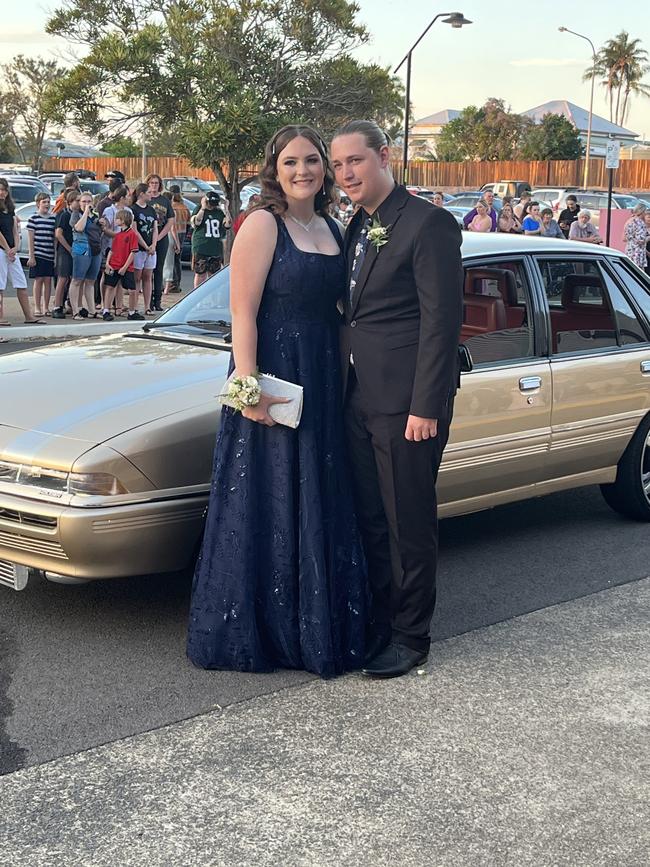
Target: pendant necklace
x: 305, y: 226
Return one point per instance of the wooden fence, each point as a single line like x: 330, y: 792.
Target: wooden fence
x: 632, y: 174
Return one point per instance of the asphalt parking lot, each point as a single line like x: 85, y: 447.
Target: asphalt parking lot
x: 87, y: 665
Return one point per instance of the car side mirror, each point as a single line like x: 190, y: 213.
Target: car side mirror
x: 465, y: 358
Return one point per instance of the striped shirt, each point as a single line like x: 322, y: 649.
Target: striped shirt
x: 43, y: 229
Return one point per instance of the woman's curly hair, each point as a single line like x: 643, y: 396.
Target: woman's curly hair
x: 272, y: 196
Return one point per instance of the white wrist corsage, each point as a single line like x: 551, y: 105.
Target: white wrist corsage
x: 378, y: 235
x: 244, y: 391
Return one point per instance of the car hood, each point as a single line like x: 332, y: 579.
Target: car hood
x: 59, y: 401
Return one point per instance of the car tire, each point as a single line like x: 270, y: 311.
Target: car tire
x: 629, y: 495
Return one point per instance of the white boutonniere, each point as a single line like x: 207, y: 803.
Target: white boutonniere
x: 378, y: 235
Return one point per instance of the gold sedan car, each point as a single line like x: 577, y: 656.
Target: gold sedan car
x: 106, y: 443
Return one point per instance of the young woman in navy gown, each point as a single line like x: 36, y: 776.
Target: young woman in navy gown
x: 280, y: 581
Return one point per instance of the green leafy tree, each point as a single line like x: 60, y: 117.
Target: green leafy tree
x: 26, y: 98
x: 219, y: 75
x: 121, y: 146
x: 8, y: 150
x: 621, y: 65
x: 554, y: 138
x: 491, y: 132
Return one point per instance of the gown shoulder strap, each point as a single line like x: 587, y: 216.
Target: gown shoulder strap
x: 335, y: 229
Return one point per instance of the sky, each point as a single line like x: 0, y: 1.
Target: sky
x: 511, y: 50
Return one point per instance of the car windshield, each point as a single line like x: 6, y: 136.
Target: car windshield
x: 208, y: 304
x: 93, y: 187
x: 626, y: 201
x: 22, y: 194
x: 202, y: 185
x: 470, y: 202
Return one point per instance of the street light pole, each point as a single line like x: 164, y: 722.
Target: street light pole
x: 585, y: 180
x: 456, y: 20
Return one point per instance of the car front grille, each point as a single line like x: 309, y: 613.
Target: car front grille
x: 44, y: 547
x: 27, y: 519
x: 13, y: 576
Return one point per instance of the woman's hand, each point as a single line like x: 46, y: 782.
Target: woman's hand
x: 31, y: 262
x: 260, y: 412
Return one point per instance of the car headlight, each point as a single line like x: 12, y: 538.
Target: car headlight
x: 91, y: 484
x: 95, y: 484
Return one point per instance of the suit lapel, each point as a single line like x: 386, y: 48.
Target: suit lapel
x: 389, y: 213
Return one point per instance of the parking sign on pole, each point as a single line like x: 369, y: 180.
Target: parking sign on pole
x: 612, y: 162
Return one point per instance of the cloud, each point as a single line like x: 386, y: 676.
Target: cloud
x: 547, y: 61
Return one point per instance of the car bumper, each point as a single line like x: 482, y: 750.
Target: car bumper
x: 95, y: 543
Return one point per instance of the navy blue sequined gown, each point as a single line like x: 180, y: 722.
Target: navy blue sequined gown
x: 280, y: 581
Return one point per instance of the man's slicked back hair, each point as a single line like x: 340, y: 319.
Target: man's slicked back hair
x: 374, y: 135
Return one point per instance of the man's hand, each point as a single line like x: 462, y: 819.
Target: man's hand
x: 418, y: 429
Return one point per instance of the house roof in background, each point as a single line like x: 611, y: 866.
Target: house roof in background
x: 71, y: 149
x: 440, y: 118
x: 579, y: 117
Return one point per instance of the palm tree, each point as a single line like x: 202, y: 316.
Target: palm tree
x: 621, y: 64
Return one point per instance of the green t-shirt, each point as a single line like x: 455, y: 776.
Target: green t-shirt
x: 207, y: 238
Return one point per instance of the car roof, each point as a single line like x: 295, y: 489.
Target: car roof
x: 492, y: 243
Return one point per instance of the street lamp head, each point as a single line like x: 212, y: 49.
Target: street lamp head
x: 562, y: 29
x: 456, y: 19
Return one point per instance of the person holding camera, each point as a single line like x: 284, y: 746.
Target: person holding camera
x: 209, y: 223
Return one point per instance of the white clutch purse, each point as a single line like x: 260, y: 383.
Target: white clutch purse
x: 287, y: 414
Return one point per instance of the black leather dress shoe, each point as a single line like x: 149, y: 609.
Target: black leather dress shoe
x: 394, y: 661
x: 374, y: 645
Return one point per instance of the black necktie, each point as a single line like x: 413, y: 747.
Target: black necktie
x: 359, y: 255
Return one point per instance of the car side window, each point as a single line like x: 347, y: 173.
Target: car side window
x: 497, y: 315
x: 636, y: 283
x: 588, y: 312
x: 188, y: 187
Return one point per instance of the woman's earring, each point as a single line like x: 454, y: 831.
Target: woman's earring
x: 323, y: 187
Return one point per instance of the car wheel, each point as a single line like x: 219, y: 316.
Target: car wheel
x: 630, y: 493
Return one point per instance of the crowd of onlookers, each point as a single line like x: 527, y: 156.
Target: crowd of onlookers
x: 527, y: 217
x: 119, y: 254
x: 89, y: 256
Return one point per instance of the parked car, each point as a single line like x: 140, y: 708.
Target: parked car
x: 28, y: 181
x: 115, y: 483
x: 97, y: 188
x: 427, y: 194
x: 24, y: 212
x: 514, y: 189
x: 458, y: 213
x: 469, y: 202
x: 186, y: 247
x: 25, y: 171
x: 22, y: 193
x: 46, y: 177
x: 192, y: 188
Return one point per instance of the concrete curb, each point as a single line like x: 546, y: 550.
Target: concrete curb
x: 65, y: 331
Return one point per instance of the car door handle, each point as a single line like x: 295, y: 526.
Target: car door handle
x: 530, y: 383
x: 645, y: 367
